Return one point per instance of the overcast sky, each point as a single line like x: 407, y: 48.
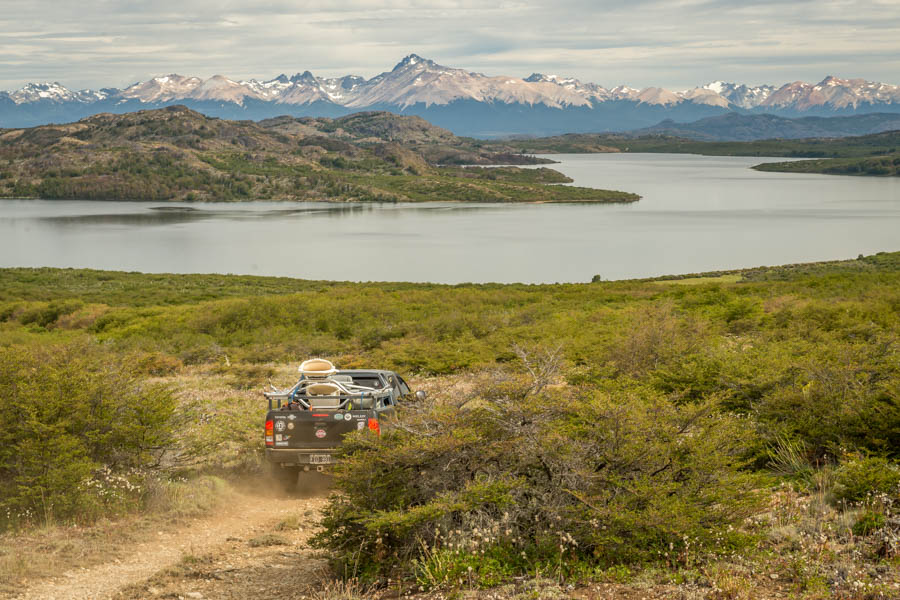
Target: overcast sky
x: 674, y: 44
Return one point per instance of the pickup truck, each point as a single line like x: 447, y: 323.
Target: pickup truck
x: 306, y: 423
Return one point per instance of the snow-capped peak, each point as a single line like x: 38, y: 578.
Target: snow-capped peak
x: 717, y: 86
x: 414, y: 60
x: 35, y: 92
x: 418, y: 80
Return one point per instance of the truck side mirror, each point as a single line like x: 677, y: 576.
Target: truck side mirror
x: 421, y: 395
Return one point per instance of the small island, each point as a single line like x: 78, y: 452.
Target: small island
x: 884, y: 166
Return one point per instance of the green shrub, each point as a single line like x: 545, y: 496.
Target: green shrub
x: 868, y: 522
x: 76, y: 429
x: 45, y: 315
x: 840, y: 396
x: 862, y: 477
x: 656, y: 335
x: 157, y: 364
x: 559, y: 478
x: 487, y: 567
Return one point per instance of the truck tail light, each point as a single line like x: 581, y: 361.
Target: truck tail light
x: 270, y: 433
x: 374, y: 426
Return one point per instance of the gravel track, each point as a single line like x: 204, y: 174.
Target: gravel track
x: 243, y: 516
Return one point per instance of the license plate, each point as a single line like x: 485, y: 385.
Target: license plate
x: 320, y: 459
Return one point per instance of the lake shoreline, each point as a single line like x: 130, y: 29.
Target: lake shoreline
x: 697, y: 214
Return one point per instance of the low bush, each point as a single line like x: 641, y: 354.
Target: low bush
x: 868, y: 522
x: 157, y: 364
x: 77, y: 429
x: 553, y: 481
x: 842, y: 395
x: 46, y: 315
x: 859, y: 478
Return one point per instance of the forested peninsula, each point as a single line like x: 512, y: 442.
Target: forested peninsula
x: 176, y: 154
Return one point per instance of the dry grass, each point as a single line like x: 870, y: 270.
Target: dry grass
x: 268, y: 539
x: 700, y: 280
x: 46, y: 551
x: 350, y: 589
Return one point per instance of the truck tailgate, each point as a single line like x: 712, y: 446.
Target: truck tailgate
x: 304, y: 429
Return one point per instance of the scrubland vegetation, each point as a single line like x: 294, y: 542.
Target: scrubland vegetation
x: 740, y: 435
x: 179, y: 154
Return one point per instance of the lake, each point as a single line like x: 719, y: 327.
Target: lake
x: 697, y: 213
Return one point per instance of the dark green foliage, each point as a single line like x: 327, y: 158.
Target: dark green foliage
x: 45, y: 315
x: 868, y: 522
x: 860, y: 478
x: 512, y: 174
x: 76, y: 429
x: 843, y: 396
x: 116, y: 288
x: 880, y: 166
x: 554, y: 479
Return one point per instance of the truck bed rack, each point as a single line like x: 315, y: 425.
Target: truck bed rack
x: 326, y: 393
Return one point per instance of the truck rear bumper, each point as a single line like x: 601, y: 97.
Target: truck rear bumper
x: 290, y: 456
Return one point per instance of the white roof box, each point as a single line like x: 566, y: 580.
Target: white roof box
x: 317, y: 368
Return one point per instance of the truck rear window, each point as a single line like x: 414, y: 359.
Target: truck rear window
x: 368, y: 381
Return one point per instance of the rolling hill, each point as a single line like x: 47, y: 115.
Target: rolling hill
x: 179, y: 154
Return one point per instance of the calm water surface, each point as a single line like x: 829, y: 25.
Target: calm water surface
x: 697, y: 213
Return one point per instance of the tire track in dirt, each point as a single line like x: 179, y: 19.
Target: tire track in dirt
x: 243, y: 516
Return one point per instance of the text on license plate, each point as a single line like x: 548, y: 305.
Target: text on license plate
x: 320, y: 459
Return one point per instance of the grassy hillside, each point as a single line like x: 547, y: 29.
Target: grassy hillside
x: 179, y: 154
x: 717, y: 433
x: 745, y: 425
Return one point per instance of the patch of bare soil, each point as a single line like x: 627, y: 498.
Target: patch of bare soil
x: 236, y: 530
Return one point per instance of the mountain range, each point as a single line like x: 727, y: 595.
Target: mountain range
x: 464, y: 102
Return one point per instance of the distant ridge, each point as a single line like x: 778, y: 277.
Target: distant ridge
x: 737, y: 127
x: 464, y: 102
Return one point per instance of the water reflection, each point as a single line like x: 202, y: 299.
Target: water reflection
x: 162, y: 216
x: 129, y: 219
x: 174, y: 215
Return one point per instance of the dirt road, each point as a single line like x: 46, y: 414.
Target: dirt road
x: 256, y: 546
x: 203, y: 552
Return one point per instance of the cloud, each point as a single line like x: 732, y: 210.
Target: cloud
x: 674, y: 43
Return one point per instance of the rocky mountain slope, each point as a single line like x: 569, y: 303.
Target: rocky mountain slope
x: 435, y: 144
x: 465, y: 102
